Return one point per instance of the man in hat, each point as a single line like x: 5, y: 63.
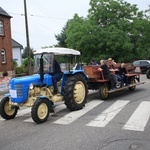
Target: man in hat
x: 112, y: 63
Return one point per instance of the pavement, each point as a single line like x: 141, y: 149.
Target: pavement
x: 4, y: 81
x: 2, y: 93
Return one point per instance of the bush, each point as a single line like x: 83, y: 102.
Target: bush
x: 25, y: 69
x: 21, y: 69
x: 15, y: 64
x: 25, y: 62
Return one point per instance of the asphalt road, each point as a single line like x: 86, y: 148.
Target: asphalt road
x: 120, y: 123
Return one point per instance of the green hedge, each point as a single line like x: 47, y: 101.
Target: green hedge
x: 20, y: 70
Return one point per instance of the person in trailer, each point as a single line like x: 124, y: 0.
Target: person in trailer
x: 108, y: 75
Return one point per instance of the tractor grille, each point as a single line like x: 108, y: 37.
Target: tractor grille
x: 19, y: 88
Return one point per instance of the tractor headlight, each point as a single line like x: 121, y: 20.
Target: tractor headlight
x: 31, y: 86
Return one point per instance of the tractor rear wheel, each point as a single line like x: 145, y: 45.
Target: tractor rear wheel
x: 75, y: 92
x: 6, y: 111
x: 40, y: 110
x: 103, y: 91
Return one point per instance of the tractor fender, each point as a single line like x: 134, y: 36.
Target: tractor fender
x: 51, y: 105
x: 67, y: 74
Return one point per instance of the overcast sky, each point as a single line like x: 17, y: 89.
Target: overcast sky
x: 47, y: 18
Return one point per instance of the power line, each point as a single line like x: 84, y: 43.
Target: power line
x: 39, y: 8
x: 38, y: 16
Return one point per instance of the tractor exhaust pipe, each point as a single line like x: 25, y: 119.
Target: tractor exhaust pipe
x: 41, y: 69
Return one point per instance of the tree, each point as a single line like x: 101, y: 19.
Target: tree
x: 25, y: 53
x: 112, y: 29
x: 26, y: 61
x: 61, y: 38
x: 82, y: 35
x: 121, y: 36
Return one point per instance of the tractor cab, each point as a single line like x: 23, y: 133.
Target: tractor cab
x: 44, y: 61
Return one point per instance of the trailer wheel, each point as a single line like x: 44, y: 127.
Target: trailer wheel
x: 5, y: 109
x: 40, y: 110
x: 103, y: 92
x: 75, y: 92
x: 148, y: 74
x: 132, y: 81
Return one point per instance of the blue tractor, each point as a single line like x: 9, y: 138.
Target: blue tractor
x: 36, y: 91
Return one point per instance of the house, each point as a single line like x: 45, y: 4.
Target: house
x: 16, y: 49
x: 6, y: 63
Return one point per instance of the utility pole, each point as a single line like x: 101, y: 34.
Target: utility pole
x: 27, y: 38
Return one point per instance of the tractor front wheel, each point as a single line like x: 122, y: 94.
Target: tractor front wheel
x: 6, y: 111
x: 40, y: 110
x: 75, y: 92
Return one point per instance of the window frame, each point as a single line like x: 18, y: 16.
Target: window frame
x: 3, y: 56
x: 1, y: 28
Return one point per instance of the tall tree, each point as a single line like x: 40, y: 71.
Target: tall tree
x: 25, y: 53
x: 61, y: 37
x: 112, y: 29
x: 117, y: 20
x: 81, y: 34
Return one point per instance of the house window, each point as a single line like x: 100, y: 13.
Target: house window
x: 1, y: 28
x: 3, y: 56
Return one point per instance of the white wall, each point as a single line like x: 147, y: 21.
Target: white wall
x: 17, y: 56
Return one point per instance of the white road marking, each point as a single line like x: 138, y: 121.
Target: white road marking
x: 72, y: 116
x: 139, y: 118
x: 24, y: 111
x: 21, y: 112
x: 28, y: 120
x: 106, y: 116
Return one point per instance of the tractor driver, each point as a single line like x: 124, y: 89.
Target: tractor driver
x: 56, y: 75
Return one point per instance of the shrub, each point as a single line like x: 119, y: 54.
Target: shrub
x: 19, y: 70
x: 25, y: 62
x: 15, y: 64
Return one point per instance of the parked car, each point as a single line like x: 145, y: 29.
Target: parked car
x: 144, y: 65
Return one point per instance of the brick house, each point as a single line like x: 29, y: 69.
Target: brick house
x: 6, y: 63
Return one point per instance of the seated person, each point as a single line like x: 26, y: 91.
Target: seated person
x: 102, y: 62
x: 108, y: 75
x: 121, y: 72
x: 93, y: 62
x: 56, y: 75
x: 112, y: 64
x: 114, y: 69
